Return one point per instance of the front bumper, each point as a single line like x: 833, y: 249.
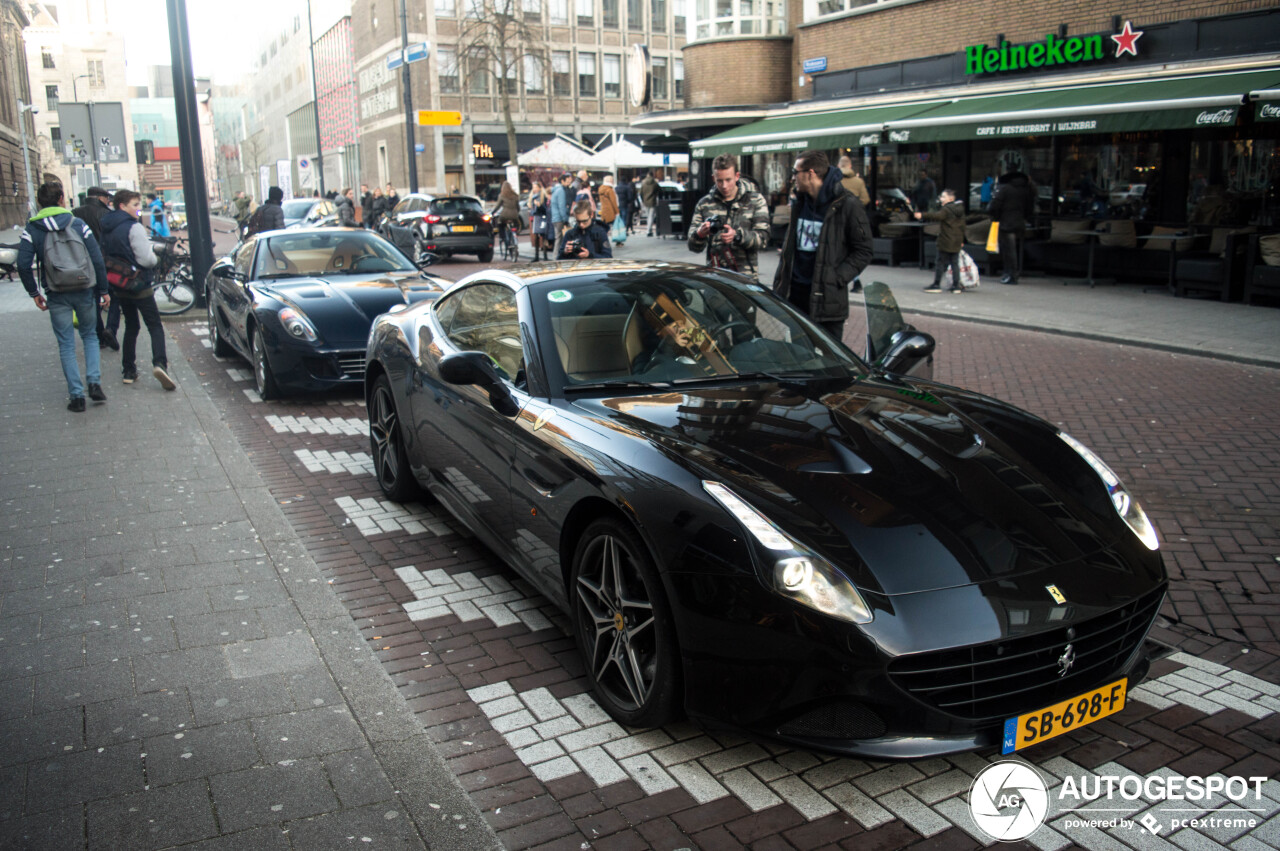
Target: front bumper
x: 314, y: 368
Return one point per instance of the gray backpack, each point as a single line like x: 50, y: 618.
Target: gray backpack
x: 67, y: 265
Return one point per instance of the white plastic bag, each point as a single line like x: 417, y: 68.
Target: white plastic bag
x: 968, y: 272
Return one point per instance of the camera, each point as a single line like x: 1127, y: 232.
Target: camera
x: 715, y: 224
x: 573, y: 247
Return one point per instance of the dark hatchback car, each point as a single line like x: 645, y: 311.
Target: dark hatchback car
x: 298, y: 303
x: 444, y: 224
x: 748, y: 523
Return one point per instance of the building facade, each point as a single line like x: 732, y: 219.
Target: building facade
x: 1162, y: 112
x: 15, y: 160
x: 74, y: 55
x: 563, y: 66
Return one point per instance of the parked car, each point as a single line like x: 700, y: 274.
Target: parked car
x: 1127, y: 193
x: 178, y: 215
x: 305, y: 211
x: 297, y: 304
x: 444, y: 224
x: 748, y: 523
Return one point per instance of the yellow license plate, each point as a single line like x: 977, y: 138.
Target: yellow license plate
x: 462, y: 228
x: 1036, y: 727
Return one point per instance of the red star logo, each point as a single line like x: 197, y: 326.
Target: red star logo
x: 1127, y: 41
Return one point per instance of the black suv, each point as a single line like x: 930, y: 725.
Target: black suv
x: 444, y: 224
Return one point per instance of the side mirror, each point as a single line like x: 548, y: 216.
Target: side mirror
x: 427, y: 258
x: 228, y: 272
x: 910, y: 352
x: 475, y: 368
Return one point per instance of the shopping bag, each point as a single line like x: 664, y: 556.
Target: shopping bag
x: 968, y: 271
x: 993, y: 240
x: 618, y: 233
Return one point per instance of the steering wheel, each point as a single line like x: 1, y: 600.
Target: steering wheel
x: 363, y: 262
x: 733, y: 323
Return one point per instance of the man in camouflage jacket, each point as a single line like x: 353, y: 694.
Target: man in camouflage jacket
x: 743, y: 221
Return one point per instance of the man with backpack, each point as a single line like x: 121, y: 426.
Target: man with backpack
x: 61, y: 266
x: 269, y: 215
x: 97, y: 204
x: 125, y: 241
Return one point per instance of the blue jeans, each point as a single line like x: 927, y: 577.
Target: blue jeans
x: 84, y: 306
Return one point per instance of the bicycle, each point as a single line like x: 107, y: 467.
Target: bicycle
x: 175, y: 291
x: 508, y: 231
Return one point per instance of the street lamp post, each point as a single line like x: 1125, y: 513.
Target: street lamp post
x: 315, y: 100
x: 26, y: 159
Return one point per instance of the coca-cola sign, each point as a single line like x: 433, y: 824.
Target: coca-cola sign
x: 1222, y: 116
x: 1270, y: 111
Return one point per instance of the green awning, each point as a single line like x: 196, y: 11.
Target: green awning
x: 1266, y: 104
x: 849, y: 128
x: 1206, y: 100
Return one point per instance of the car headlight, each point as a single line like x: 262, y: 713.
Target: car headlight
x: 1123, y: 502
x: 298, y: 326
x: 798, y: 574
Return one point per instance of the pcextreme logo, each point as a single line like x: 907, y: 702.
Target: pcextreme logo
x: 1009, y: 800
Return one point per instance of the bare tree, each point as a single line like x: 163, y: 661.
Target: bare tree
x: 498, y: 40
x: 252, y: 149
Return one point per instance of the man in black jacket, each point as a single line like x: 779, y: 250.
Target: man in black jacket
x: 828, y: 244
x: 91, y: 212
x: 626, y: 192
x: 585, y: 241
x: 1013, y: 205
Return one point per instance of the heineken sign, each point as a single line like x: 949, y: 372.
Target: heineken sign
x: 1054, y: 50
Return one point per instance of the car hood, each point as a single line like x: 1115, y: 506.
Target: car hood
x: 909, y: 487
x: 342, y: 307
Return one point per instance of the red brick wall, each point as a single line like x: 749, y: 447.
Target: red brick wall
x: 742, y: 71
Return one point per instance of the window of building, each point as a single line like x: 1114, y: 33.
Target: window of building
x: 739, y: 17
x: 823, y: 8
x: 97, y: 74
x: 46, y: 58
x: 1118, y: 180
x: 510, y: 70
x: 558, y: 11
x: 658, y: 15
x: 55, y: 136
x: 271, y: 49
x: 474, y: 9
x: 678, y: 10
x: 677, y: 77
x: 611, y: 71
x: 561, y: 81
x: 586, y: 75
x: 532, y: 11
x: 658, y: 70
x: 586, y: 12
x: 609, y: 14
x: 446, y: 8
x: 635, y: 15
x: 51, y: 98
x: 533, y: 74
x: 1232, y: 182
x: 477, y: 78
x: 447, y: 70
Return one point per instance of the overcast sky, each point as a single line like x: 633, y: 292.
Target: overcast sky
x: 225, y: 34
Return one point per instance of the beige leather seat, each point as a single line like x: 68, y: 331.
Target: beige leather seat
x: 592, y: 348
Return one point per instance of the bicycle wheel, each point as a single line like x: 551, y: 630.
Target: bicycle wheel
x: 176, y: 295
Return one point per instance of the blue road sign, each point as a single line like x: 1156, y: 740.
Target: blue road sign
x: 416, y: 52
x: 395, y: 60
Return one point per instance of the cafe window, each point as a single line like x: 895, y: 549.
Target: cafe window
x: 561, y: 79
x: 447, y: 65
x: 611, y: 71
x: 586, y: 12
x: 1233, y: 182
x: 609, y: 14
x: 989, y: 159
x: 586, y: 75
x: 1119, y: 179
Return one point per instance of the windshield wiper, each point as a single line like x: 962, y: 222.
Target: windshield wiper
x: 619, y: 385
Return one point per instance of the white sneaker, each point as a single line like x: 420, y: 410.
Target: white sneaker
x: 163, y: 377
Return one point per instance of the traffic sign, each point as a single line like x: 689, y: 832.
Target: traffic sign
x: 395, y: 60
x: 415, y: 52
x: 439, y: 118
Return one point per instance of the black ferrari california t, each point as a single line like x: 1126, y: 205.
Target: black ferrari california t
x: 298, y: 304
x: 749, y: 524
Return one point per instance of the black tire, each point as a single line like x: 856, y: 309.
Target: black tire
x: 176, y: 294
x: 623, y: 626
x: 220, y: 346
x: 485, y: 256
x: 263, y: 377
x: 386, y: 445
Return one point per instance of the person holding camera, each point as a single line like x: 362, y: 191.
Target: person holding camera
x: 731, y: 222
x: 589, y: 239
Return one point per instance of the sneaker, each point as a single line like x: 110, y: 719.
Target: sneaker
x: 933, y: 288
x: 130, y: 376
x: 76, y: 405
x: 96, y: 394
x: 163, y: 377
x: 957, y: 289
x: 108, y: 339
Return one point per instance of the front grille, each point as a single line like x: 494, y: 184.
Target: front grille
x: 351, y: 365
x: 843, y: 720
x: 1007, y: 678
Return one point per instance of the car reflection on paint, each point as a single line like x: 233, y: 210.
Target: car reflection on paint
x: 748, y: 523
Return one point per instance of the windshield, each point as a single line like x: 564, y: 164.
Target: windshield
x: 296, y: 209
x: 304, y: 253
x: 452, y: 206
x: 661, y: 326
